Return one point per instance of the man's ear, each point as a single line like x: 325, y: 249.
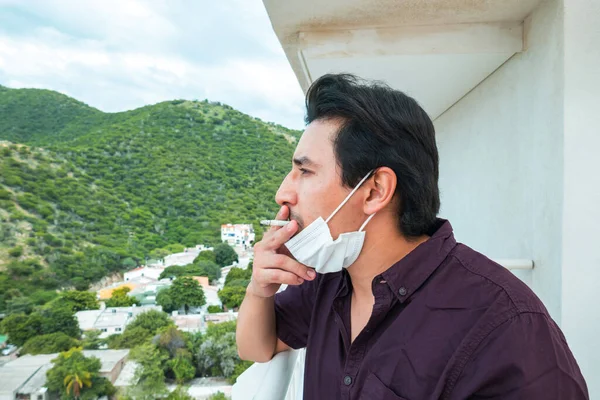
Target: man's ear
x: 381, y: 188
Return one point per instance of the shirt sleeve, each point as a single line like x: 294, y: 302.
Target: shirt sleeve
x: 527, y: 357
x: 293, y: 312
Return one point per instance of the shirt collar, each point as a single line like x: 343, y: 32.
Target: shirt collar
x: 407, y: 275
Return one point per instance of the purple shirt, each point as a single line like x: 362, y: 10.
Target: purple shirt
x: 447, y: 323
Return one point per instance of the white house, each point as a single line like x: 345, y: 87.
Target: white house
x: 25, y: 377
x: 189, y: 323
x: 185, y: 258
x: 150, y: 272
x: 237, y: 234
x: 111, y: 320
x: 513, y: 89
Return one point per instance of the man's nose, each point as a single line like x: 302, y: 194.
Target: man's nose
x: 286, y: 194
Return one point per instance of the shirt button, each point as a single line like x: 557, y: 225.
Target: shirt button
x: 402, y: 291
x: 347, y: 380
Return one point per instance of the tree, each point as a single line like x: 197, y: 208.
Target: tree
x: 91, y: 340
x: 201, y: 267
x: 159, y: 254
x: 175, y: 248
x: 12, y: 293
x: 242, y: 276
x: 182, y: 368
x: 149, y: 379
x: 218, y: 396
x: 76, y: 300
x: 19, y: 305
x: 77, y: 381
x: 119, y: 298
x: 48, y: 344
x: 225, y: 255
x: 19, y: 328
x: 184, y: 292
x: 179, y: 393
x: 175, y: 271
x: 129, y: 263
x: 220, y: 330
x: 214, y: 309
x: 207, y: 255
x: 176, y: 343
x: 208, y: 268
x: 163, y: 299
x: 129, y: 339
x: 217, y: 356
x: 59, y: 319
x: 152, y: 321
x: 16, y: 252
x: 172, y: 340
x: 13, y: 302
x: 232, y: 296
x: 216, y: 352
x: 74, y: 376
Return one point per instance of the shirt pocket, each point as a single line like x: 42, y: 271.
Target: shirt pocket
x: 373, y: 389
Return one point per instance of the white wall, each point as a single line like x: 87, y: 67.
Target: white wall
x: 501, y: 156
x: 519, y: 168
x: 581, y: 234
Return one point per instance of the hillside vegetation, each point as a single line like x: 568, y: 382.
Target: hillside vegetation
x: 85, y: 193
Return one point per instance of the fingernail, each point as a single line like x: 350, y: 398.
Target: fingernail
x: 300, y: 280
x: 290, y: 226
x: 311, y: 274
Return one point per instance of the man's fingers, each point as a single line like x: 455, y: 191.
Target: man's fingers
x: 281, y: 276
x: 290, y: 265
x: 283, y: 214
x: 279, y: 237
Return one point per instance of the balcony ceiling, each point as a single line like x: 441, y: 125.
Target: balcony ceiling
x: 435, y: 51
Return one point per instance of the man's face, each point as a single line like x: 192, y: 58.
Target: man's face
x: 313, y: 187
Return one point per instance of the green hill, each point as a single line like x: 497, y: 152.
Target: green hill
x: 41, y: 116
x: 106, y: 188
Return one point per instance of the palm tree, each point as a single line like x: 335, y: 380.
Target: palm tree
x: 77, y: 381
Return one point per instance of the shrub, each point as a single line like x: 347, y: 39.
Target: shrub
x: 16, y: 252
x: 214, y: 309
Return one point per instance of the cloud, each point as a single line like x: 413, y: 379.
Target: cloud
x: 126, y: 54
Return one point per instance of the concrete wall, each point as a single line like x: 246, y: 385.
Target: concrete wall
x: 581, y: 258
x: 501, y: 157
x: 519, y: 168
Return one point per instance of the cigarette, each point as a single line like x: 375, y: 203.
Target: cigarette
x: 274, y: 222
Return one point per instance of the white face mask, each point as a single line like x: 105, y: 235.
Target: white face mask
x: 314, y: 246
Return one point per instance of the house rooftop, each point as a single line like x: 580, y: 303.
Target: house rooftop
x: 27, y: 374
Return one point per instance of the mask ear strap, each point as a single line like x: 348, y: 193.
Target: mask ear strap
x: 366, y: 222
x: 349, y: 195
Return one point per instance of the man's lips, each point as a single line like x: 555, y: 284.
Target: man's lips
x: 298, y: 219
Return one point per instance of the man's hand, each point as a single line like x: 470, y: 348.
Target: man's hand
x: 270, y: 268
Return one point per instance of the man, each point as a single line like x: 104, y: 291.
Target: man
x: 398, y: 309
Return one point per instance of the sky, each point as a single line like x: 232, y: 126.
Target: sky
x: 119, y: 55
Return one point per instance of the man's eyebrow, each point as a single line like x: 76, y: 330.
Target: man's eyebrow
x: 304, y: 161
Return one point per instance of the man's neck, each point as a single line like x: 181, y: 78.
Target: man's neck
x: 382, y: 249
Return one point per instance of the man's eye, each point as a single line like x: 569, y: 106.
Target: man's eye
x: 304, y: 171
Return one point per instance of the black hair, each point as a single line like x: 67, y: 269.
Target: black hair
x: 380, y: 127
